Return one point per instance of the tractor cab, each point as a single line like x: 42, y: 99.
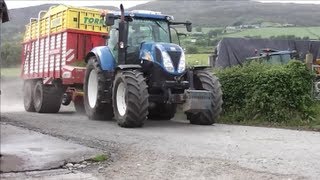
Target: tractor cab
x: 146, y: 36
x: 140, y: 30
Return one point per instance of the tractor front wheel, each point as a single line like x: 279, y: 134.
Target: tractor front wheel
x: 130, y: 98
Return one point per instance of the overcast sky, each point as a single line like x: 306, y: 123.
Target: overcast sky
x: 12, y: 4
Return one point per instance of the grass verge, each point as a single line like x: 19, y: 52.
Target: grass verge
x: 197, y: 59
x: 10, y: 72
x: 313, y: 122
x: 100, y: 158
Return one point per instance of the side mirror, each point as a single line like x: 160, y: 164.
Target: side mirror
x: 188, y: 26
x: 110, y: 19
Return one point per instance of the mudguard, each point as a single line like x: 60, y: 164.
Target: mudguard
x: 104, y: 56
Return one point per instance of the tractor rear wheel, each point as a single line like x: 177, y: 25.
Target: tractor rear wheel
x: 97, y: 104
x: 162, y: 111
x: 47, y: 98
x: 204, y: 80
x: 130, y: 98
x: 28, y: 87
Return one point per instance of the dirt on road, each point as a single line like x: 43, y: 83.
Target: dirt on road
x: 177, y: 150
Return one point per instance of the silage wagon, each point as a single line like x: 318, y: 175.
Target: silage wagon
x: 54, y: 48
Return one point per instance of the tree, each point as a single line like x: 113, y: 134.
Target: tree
x: 192, y: 50
x: 237, y: 23
x: 198, y: 29
x: 214, y: 33
x: 306, y: 38
x: 10, y: 54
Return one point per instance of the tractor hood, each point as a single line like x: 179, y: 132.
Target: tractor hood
x: 169, y: 56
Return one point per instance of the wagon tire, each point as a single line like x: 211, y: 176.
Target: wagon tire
x: 47, y: 98
x: 28, y: 87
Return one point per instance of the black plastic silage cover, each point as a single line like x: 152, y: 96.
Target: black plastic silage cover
x: 234, y: 51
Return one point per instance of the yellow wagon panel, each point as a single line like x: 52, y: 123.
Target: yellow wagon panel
x: 62, y: 17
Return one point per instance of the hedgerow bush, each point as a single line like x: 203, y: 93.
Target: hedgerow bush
x: 273, y: 93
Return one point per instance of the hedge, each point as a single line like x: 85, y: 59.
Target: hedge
x: 273, y: 93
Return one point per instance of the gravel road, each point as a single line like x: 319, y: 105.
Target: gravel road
x: 177, y: 150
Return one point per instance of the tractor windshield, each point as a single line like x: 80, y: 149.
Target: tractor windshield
x: 141, y: 30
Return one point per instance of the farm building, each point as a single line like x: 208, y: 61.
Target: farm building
x: 234, y: 51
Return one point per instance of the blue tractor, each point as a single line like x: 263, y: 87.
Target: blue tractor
x: 141, y: 74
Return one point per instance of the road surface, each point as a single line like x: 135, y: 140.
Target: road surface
x: 177, y: 150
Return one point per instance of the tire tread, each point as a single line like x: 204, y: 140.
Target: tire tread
x: 137, y: 99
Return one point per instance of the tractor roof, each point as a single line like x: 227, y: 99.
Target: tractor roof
x: 146, y: 14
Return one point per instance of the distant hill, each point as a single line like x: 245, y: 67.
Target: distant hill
x: 206, y: 13
x: 14, y: 29
x: 223, y: 13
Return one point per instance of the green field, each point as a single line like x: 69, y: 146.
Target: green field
x: 204, y: 29
x: 197, y: 59
x: 311, y: 32
x: 10, y: 72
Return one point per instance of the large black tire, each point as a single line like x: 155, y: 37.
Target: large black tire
x: 47, y: 98
x: 101, y: 105
x: 28, y: 87
x: 204, y: 80
x: 130, y: 98
x: 162, y: 111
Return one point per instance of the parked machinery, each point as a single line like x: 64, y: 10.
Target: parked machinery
x: 316, y: 89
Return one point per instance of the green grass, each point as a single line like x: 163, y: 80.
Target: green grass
x: 313, y: 123
x: 311, y: 32
x: 10, y: 72
x: 100, y: 158
x: 197, y: 59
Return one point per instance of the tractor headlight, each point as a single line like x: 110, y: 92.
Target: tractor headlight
x: 167, y: 63
x: 182, y: 63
